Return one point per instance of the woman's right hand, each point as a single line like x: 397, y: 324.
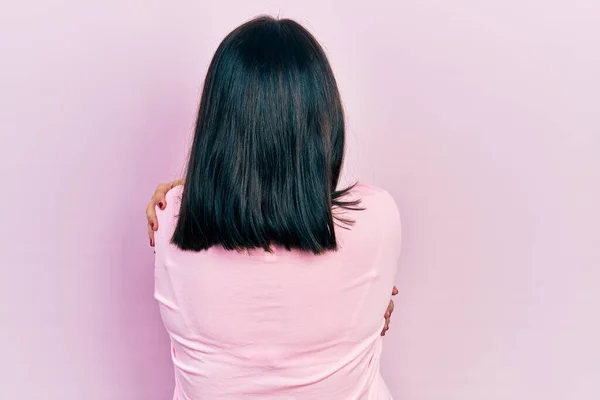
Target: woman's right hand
x: 388, y: 312
x: 159, y: 198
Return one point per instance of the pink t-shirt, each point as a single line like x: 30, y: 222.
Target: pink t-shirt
x: 287, y: 325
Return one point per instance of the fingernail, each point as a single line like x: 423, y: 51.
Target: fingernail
x: 160, y: 205
x: 151, y: 243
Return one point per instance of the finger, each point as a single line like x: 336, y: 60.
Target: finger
x: 386, y: 327
x: 151, y: 236
x: 159, y: 198
x: 151, y: 216
x: 394, y: 291
x: 160, y: 194
x: 390, y: 309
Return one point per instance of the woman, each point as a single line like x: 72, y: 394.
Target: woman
x: 270, y: 281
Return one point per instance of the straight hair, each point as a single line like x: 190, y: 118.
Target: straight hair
x: 268, y: 146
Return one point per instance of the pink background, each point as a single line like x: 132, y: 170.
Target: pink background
x: 481, y: 120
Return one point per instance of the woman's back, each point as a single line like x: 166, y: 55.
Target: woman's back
x: 286, y: 325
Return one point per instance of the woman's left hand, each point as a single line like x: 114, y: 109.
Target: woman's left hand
x: 158, y: 199
x: 388, y: 313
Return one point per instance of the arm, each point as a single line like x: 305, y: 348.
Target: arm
x: 159, y: 199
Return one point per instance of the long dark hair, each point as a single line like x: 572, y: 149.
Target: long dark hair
x: 268, y: 147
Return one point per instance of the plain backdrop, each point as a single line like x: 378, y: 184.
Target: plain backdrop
x: 480, y: 117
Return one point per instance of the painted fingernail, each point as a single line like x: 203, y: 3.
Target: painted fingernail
x: 152, y: 225
x: 160, y: 205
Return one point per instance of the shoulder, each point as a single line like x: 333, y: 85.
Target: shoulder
x: 377, y: 225
x: 167, y: 218
x: 173, y: 199
x: 173, y: 196
x: 379, y: 210
x: 369, y: 190
x: 377, y: 199
x: 382, y: 206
